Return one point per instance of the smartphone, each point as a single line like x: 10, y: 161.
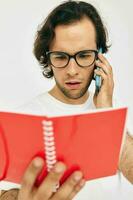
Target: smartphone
x: 98, y: 78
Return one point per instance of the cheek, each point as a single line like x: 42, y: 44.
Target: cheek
x: 58, y: 73
x: 89, y: 73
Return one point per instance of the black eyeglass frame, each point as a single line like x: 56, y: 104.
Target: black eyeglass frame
x: 48, y: 53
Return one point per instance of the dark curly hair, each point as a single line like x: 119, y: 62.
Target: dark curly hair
x: 64, y: 14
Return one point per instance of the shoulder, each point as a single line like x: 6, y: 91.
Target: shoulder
x: 37, y: 105
x: 129, y: 125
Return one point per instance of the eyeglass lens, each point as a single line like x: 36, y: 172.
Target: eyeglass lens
x: 61, y: 59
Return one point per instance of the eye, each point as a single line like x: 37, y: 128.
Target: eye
x: 85, y: 55
x: 59, y: 56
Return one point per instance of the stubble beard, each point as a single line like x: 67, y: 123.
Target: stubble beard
x: 72, y: 94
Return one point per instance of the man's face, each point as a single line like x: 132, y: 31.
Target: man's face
x: 72, y: 82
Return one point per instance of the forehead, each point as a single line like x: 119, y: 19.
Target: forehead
x: 76, y: 36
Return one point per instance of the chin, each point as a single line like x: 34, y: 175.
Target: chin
x: 74, y: 94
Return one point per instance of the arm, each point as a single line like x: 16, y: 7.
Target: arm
x: 9, y: 195
x: 126, y: 161
x: 104, y: 99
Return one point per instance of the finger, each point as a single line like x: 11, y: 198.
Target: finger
x: 103, y: 59
x: 31, y: 174
x: 101, y: 73
x: 107, y: 69
x: 68, y: 187
x: 106, y: 80
x: 45, y: 191
x: 77, y: 189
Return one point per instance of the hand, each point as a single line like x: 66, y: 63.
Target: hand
x: 104, y: 97
x: 45, y: 190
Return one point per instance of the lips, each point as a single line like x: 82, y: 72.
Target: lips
x: 73, y: 84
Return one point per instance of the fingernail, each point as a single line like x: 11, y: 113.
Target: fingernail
x: 77, y: 177
x: 97, y: 62
x: 59, y: 167
x: 38, y: 162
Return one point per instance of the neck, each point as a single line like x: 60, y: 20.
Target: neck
x: 56, y: 93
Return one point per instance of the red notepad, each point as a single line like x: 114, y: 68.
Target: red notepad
x: 90, y: 142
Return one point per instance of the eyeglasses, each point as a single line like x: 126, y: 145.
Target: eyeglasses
x: 60, y: 59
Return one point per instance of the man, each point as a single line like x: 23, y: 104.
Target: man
x: 67, y: 47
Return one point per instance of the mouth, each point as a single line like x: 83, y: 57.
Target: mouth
x: 73, y: 84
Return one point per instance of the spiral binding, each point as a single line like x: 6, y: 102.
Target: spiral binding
x: 49, y: 144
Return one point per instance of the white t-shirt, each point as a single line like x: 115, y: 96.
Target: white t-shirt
x: 110, y: 188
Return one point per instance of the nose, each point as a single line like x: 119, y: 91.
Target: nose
x: 72, y: 68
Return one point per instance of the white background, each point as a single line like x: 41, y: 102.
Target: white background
x: 20, y: 74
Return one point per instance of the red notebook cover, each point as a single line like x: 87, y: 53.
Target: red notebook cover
x: 90, y: 142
